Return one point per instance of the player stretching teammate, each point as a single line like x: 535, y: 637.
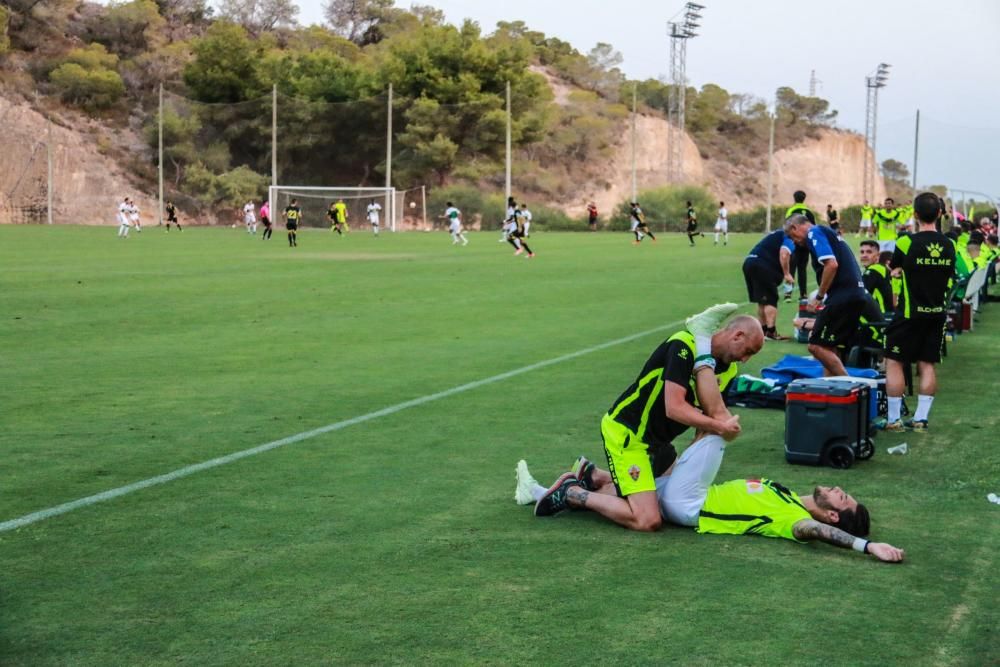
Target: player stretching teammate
x: 373, y: 213
x: 337, y: 214
x: 249, y: 217
x: 265, y: 218
x: 692, y: 220
x: 133, y: 214
x: 293, y: 215
x: 454, y: 218
x: 123, y: 223
x: 638, y: 220
x: 172, y: 216
x: 722, y: 225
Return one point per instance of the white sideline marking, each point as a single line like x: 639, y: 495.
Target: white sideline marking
x: 34, y: 517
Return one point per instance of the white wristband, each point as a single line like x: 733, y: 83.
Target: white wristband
x: 861, y: 544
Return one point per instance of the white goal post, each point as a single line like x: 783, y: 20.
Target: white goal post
x: 315, y: 201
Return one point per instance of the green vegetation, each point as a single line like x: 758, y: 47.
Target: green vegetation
x: 448, y: 81
x: 396, y: 540
x: 87, y: 78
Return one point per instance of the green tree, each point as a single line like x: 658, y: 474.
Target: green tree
x: 794, y: 108
x: 259, y: 16
x: 4, y: 25
x: 129, y: 28
x: 86, y: 78
x: 895, y: 170
x: 92, y: 89
x: 225, y: 64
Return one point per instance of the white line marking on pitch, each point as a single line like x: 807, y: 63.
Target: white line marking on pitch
x: 34, y: 517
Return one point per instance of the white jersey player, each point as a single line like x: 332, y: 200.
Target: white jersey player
x: 133, y: 215
x: 123, y: 219
x: 250, y: 217
x: 454, y: 218
x: 722, y: 225
x: 374, y: 210
x: 525, y: 219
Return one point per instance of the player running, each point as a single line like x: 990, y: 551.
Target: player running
x: 454, y: 218
x: 517, y: 234
x: 638, y: 223
x: 123, y: 222
x: 337, y: 214
x: 293, y: 216
x: 265, y: 218
x: 133, y: 214
x: 692, y: 224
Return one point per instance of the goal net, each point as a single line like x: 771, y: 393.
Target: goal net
x: 314, y: 202
x: 399, y: 209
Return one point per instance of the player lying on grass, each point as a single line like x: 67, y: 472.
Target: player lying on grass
x: 678, y: 388
x: 687, y: 497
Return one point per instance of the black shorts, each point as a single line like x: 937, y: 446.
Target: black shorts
x: 661, y: 458
x: 762, y: 282
x: 266, y: 220
x: 910, y: 340
x: 837, y: 324
x: 692, y: 226
x: 291, y: 225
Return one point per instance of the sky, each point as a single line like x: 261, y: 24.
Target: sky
x: 945, y: 59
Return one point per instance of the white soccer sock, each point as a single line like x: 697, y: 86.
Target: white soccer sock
x: 538, y: 491
x: 923, y: 407
x: 517, y: 243
x: 895, y: 405
x: 716, y: 237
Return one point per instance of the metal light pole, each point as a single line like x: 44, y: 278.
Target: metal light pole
x: 390, y: 199
x: 916, y: 149
x: 770, y: 169
x: 507, y: 165
x: 635, y: 193
x: 680, y: 32
x: 872, y: 85
x: 159, y: 159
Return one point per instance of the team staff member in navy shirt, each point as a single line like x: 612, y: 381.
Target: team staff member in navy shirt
x: 841, y: 291
x: 764, y: 269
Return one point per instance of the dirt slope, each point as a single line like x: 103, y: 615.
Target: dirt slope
x: 88, y: 184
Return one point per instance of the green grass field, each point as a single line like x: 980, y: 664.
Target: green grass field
x: 396, y: 540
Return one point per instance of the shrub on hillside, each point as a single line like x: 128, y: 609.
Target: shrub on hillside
x: 89, y: 88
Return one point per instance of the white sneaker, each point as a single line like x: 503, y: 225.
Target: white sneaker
x: 525, y: 484
x: 707, y: 321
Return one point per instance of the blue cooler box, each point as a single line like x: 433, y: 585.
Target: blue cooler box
x: 827, y: 422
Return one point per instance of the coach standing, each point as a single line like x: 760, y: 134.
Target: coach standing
x: 841, y: 291
x: 926, y: 262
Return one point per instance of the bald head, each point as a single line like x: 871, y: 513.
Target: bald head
x: 747, y: 324
x: 740, y: 339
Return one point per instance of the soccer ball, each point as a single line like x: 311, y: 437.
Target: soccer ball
x: 413, y: 204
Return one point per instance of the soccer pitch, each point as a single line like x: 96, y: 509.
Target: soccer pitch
x: 395, y: 539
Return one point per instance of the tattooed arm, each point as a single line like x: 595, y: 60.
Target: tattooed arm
x: 810, y: 529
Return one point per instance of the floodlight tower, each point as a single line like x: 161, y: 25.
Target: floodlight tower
x: 872, y: 85
x: 680, y: 32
